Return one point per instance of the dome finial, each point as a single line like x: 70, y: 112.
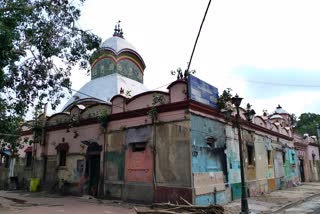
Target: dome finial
x: 117, y: 30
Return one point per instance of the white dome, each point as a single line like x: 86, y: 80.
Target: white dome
x: 276, y: 116
x: 280, y: 110
x: 104, y: 88
x: 117, y: 45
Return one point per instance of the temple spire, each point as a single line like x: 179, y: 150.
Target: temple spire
x: 117, y: 30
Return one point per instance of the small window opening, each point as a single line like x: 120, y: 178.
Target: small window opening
x: 269, y: 156
x: 250, y: 155
x: 292, y: 155
x: 6, y: 161
x: 28, y: 159
x: 211, y: 142
x: 284, y: 157
x: 313, y: 158
x: 138, y: 147
x: 62, y: 157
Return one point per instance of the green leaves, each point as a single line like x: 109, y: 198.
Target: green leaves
x: 224, y: 98
x: 308, y: 123
x: 103, y: 119
x: 40, y: 44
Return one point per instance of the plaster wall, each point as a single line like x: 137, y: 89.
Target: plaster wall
x: 173, y: 165
x: 178, y: 92
x: 85, y: 133
x: 115, y: 156
x: 209, y: 162
x: 144, y: 101
x: 138, y: 164
x: 278, y: 164
x: 313, y: 151
x: 233, y: 155
x: 69, y: 173
x: 248, y: 138
x: 261, y: 158
x: 144, y: 120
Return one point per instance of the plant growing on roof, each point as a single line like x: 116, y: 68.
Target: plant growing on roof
x: 74, y: 121
x: 103, y: 119
x: 156, y: 99
x: 224, y: 100
x: 128, y: 93
x: 181, y: 75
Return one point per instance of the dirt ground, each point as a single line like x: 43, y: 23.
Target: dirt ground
x: 41, y: 203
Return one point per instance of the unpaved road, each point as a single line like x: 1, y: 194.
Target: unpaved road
x: 39, y: 203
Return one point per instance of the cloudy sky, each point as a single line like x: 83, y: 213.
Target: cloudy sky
x: 267, y: 51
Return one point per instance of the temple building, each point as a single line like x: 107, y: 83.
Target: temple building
x: 116, y: 139
x: 116, y: 66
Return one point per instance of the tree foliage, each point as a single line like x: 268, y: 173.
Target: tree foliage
x: 224, y: 98
x: 40, y: 44
x: 308, y: 123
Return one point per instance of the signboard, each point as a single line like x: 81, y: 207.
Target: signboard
x: 202, y: 92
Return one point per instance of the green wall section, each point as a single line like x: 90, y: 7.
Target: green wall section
x: 203, y: 158
x: 115, y: 165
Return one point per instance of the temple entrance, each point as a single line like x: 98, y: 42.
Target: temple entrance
x: 93, y: 168
x: 302, y: 170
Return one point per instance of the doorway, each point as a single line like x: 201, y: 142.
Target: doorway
x: 93, y: 168
x: 302, y: 170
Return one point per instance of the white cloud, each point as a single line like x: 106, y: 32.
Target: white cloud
x: 268, y: 34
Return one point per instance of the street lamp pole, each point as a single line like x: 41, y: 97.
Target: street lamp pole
x: 244, y: 200
x: 236, y: 100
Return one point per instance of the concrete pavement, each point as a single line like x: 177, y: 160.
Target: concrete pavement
x: 280, y: 200
x: 300, y: 199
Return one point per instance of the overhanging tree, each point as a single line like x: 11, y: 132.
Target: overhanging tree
x: 308, y: 123
x: 40, y: 42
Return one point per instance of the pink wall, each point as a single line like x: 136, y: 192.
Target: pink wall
x: 139, y: 165
x: 178, y: 92
x: 315, y: 150
x: 90, y: 132
x: 145, y: 119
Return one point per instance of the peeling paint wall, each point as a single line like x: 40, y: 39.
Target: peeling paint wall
x: 139, y: 164
x: 115, y: 156
x: 290, y: 168
x: 173, y: 154
x: 71, y: 173
x: 173, y: 162
x: 233, y: 160
x: 313, y: 156
x: 209, y: 162
x: 278, y: 164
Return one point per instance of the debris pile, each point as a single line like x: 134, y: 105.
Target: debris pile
x: 168, y: 208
